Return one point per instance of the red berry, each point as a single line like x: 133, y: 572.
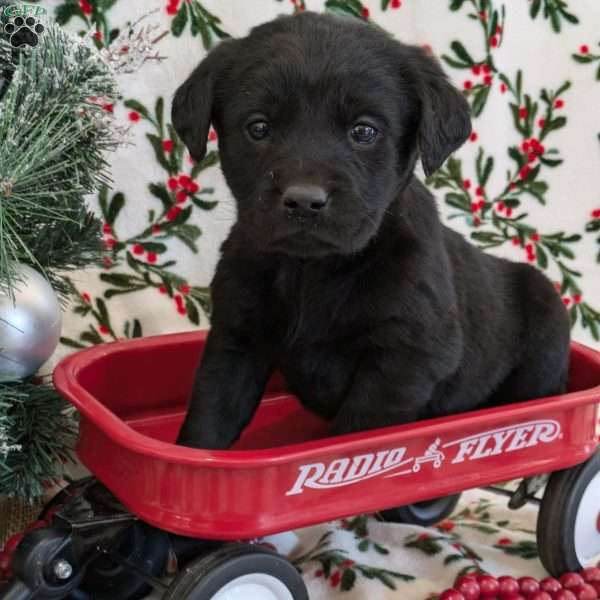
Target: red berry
x: 559, y: 103
x: 467, y: 184
x: 535, y: 237
x: 184, y: 288
x: 193, y: 187
x: 184, y: 180
x: 571, y: 580
x: 134, y: 116
x: 396, y: 4
x: 98, y: 36
x: 509, y: 212
x: 181, y: 196
x: 138, y: 249
x: 446, y: 526
x: 585, y: 592
x: 509, y: 587
x: 473, y: 137
x: 488, y: 585
x: 539, y: 595
x: 172, y: 213
x: 108, y: 108
x: 162, y: 289
x: 503, y: 88
x: 596, y: 215
x: 550, y: 585
x: 86, y: 297
x: 468, y: 587
x: 584, y: 49
x: 479, y: 191
x: 577, y: 300
x: 167, y: 145
x: 181, y: 310
x: 476, y: 69
x: 517, y: 242
x: 86, y: 7
x: 474, y: 207
x: 468, y: 85
x: 106, y: 228
x: 172, y: 184
x: 591, y: 573
x: 523, y: 112
x: 452, y: 594
x: 541, y: 123
x: 104, y: 329
x: 212, y: 136
x: 493, y: 41
x: 365, y: 13
x: 488, y: 80
x: 156, y: 229
x: 525, y: 170
x: 564, y: 595
x: 528, y: 585
x: 151, y: 256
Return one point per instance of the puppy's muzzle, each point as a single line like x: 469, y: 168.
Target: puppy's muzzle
x: 302, y: 202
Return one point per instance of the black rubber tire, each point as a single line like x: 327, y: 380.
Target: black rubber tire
x: 105, y: 579
x: 558, y: 512
x: 425, y: 513
x: 202, y: 578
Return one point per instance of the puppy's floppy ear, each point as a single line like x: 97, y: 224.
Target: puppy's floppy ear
x: 192, y: 107
x: 445, y: 116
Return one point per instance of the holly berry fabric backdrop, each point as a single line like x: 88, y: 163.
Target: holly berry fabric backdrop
x: 525, y: 186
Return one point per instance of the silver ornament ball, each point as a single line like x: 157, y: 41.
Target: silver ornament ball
x: 30, y: 324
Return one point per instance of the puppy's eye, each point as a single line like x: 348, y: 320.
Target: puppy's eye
x: 363, y: 133
x: 259, y: 130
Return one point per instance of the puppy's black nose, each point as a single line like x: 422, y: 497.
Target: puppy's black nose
x: 304, y: 199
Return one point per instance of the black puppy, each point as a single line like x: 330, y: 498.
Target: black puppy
x: 338, y: 271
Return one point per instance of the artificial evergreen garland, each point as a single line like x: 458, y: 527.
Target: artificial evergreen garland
x: 53, y: 134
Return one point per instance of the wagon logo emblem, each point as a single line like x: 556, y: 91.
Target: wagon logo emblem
x: 395, y: 462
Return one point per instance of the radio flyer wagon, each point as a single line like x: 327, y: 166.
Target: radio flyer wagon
x: 109, y: 536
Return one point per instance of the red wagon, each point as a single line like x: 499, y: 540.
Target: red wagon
x: 285, y: 472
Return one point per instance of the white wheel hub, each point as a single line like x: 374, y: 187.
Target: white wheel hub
x: 587, y: 524
x: 255, y: 586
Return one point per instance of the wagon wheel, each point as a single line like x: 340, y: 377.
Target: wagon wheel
x: 106, y: 578
x: 238, y: 571
x: 568, y: 528
x: 422, y: 513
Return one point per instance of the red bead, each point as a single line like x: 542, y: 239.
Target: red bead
x: 550, y: 585
x: 571, y: 580
x: 591, y: 573
x: 488, y: 585
x: 564, y: 595
x: 468, y: 587
x: 528, y: 585
x: 452, y: 594
x: 585, y: 592
x: 509, y: 587
x: 539, y: 595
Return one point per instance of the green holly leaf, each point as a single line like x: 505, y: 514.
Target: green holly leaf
x: 179, y: 22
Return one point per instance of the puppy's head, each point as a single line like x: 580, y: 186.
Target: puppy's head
x: 320, y: 121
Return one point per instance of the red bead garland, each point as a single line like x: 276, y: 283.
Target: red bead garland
x: 584, y: 585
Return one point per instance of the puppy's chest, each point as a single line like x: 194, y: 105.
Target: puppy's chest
x: 318, y: 325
